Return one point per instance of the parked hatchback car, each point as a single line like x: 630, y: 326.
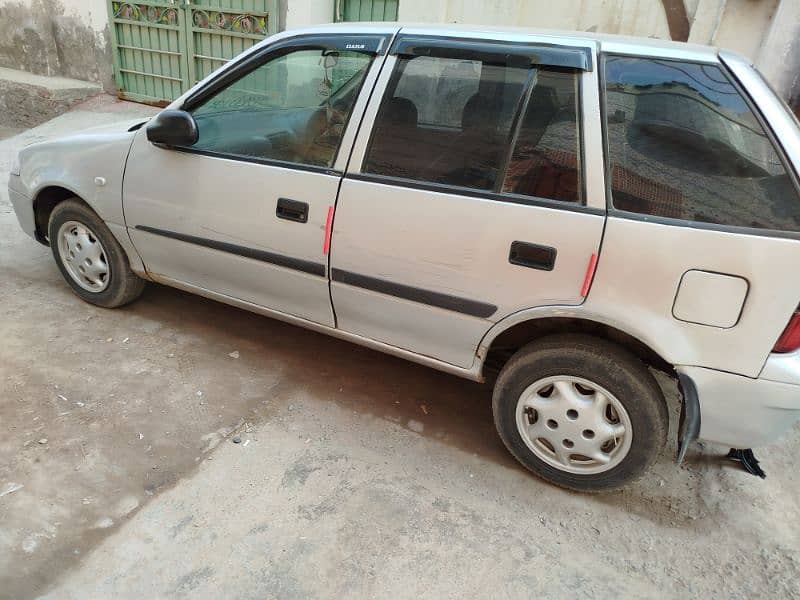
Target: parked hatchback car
x: 569, y: 211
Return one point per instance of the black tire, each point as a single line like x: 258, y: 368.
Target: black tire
x: 123, y: 285
x: 609, y: 366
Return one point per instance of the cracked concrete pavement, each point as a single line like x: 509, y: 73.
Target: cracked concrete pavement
x: 357, y: 475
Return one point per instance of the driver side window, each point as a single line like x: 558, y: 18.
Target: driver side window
x: 292, y: 109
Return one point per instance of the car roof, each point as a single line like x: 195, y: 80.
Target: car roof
x: 606, y: 42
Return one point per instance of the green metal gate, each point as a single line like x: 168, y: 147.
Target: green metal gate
x: 163, y: 47
x: 365, y: 10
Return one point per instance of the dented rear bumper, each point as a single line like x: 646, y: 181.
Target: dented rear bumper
x: 744, y: 412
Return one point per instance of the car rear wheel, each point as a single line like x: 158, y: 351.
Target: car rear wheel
x: 89, y: 257
x: 580, y: 412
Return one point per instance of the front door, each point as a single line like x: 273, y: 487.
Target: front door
x: 243, y: 212
x: 469, y: 199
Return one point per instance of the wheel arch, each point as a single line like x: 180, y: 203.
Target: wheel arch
x: 48, y: 197
x: 510, y: 334
x: 44, y: 201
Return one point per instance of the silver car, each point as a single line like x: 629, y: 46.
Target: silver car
x: 557, y: 213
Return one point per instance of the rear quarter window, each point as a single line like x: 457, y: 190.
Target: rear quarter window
x: 683, y: 143
x: 509, y: 129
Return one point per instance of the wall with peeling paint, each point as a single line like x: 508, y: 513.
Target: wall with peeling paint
x: 69, y: 38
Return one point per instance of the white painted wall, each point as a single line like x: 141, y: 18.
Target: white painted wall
x: 766, y: 31
x: 633, y: 17
x: 778, y: 57
x: 302, y: 13
x: 94, y: 12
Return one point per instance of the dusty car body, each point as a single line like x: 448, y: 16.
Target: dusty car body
x: 570, y: 210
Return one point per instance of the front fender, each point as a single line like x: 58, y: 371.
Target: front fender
x: 90, y: 165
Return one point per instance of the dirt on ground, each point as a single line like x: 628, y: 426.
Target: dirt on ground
x: 355, y: 474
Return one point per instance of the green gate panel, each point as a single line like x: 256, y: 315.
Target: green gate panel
x: 162, y: 48
x: 366, y: 10
x: 219, y: 30
x: 149, y: 50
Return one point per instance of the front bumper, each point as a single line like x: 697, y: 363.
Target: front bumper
x: 23, y: 207
x: 742, y: 412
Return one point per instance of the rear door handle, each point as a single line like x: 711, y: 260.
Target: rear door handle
x: 292, y: 210
x: 533, y: 256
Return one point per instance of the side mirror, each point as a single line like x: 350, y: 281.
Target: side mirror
x: 173, y: 128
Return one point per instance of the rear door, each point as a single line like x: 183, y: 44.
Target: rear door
x: 470, y: 194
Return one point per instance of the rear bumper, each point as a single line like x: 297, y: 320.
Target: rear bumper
x: 742, y: 412
x: 23, y: 207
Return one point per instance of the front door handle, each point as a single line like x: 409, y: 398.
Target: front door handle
x: 292, y: 210
x: 532, y: 256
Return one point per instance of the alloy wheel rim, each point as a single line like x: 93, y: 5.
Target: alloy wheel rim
x: 83, y: 256
x: 574, y: 424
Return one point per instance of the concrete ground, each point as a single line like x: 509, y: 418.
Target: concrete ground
x: 357, y: 475
x: 28, y: 100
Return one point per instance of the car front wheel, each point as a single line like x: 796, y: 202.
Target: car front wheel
x: 580, y: 412
x: 89, y: 257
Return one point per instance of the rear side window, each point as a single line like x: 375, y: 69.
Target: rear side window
x: 480, y: 125
x: 451, y: 82
x: 684, y: 144
x: 446, y: 121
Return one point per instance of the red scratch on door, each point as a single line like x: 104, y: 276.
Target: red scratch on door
x: 326, y: 246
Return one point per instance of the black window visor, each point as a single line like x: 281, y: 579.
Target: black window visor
x: 494, y: 51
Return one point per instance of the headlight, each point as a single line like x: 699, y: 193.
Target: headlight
x: 15, y: 166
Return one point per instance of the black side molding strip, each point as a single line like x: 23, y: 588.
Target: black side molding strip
x: 462, y: 305
x: 298, y: 264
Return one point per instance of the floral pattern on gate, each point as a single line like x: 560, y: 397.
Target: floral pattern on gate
x: 145, y: 13
x: 239, y: 23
